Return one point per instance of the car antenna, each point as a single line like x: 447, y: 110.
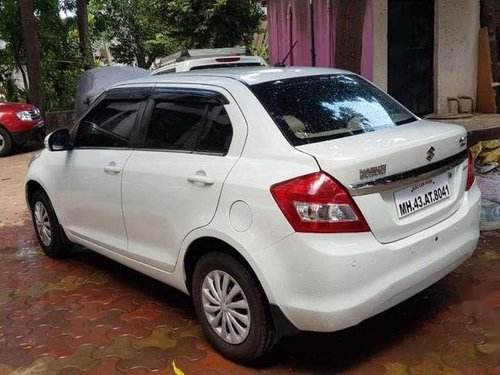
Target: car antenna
x: 281, y: 64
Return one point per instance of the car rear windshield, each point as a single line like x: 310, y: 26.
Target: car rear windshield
x: 319, y: 108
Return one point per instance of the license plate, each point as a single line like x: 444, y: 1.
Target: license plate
x: 422, y: 195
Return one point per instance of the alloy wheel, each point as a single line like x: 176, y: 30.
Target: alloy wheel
x: 226, y: 307
x: 43, y: 223
x: 2, y: 142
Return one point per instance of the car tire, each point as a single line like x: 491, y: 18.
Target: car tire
x: 49, y: 232
x: 5, y: 142
x: 251, y: 341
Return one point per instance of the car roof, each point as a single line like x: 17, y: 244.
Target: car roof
x: 247, y: 75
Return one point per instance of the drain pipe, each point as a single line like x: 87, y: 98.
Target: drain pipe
x: 313, y: 41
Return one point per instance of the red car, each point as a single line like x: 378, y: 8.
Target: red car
x: 19, y: 123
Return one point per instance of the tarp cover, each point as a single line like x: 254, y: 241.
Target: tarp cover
x: 95, y: 81
x: 487, y: 162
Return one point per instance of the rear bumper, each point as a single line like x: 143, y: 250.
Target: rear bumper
x: 328, y: 282
x: 20, y: 137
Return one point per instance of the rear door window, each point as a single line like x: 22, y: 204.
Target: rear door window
x: 217, y: 133
x: 175, y: 126
x: 189, y: 123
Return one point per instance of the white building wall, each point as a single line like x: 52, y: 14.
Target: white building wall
x: 456, y: 49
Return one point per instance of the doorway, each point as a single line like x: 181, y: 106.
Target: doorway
x: 411, y: 54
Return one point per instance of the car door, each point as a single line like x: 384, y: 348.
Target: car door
x: 91, y: 191
x: 171, y: 186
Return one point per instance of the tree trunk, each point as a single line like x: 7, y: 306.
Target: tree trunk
x: 36, y: 94
x: 83, y: 34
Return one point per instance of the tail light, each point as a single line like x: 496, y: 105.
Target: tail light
x: 318, y: 203
x: 470, y: 172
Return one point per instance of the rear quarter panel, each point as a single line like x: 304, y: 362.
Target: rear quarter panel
x: 267, y: 159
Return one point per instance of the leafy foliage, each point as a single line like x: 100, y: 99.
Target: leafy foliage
x: 60, y: 53
x: 60, y: 82
x: 137, y: 31
x: 8, y: 87
x: 259, y: 45
x: 142, y: 30
x: 13, y: 56
x: 61, y: 56
x: 212, y: 23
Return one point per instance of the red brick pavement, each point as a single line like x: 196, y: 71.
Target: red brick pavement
x: 88, y: 314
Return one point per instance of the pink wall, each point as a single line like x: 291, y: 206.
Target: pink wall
x: 289, y: 20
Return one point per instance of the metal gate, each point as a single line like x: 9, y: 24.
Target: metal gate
x: 411, y: 53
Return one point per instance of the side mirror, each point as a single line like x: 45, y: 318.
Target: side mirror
x: 58, y: 140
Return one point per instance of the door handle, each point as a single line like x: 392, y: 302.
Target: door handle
x: 200, y: 179
x: 112, y: 168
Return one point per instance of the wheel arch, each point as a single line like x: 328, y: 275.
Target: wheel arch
x: 206, y: 244
x: 31, y: 187
x: 3, y: 127
x: 203, y: 245
x: 6, y: 129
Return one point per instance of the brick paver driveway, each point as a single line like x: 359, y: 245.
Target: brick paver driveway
x: 91, y: 315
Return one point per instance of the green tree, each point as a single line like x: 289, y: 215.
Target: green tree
x: 8, y: 87
x: 138, y: 31
x: 139, y: 34
x: 142, y: 30
x: 212, y: 23
x: 60, y: 57
x: 11, y: 32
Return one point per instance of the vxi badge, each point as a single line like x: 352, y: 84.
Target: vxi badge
x: 371, y: 172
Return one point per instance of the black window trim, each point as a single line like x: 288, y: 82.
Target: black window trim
x: 193, y: 95
x: 142, y: 95
x: 171, y: 94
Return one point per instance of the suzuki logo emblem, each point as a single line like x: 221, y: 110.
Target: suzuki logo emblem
x: 430, y: 153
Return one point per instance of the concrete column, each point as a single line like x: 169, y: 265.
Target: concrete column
x: 380, y: 49
x: 455, y: 50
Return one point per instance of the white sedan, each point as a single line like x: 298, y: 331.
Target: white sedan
x: 281, y: 200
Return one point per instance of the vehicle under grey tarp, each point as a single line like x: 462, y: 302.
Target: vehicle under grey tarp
x: 95, y: 81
